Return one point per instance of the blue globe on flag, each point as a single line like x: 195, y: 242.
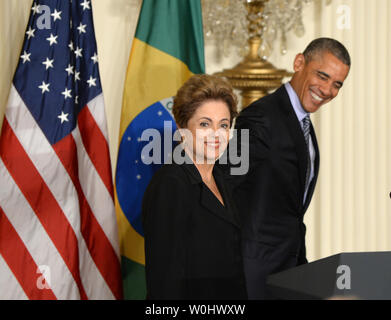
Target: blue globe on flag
x: 151, y: 130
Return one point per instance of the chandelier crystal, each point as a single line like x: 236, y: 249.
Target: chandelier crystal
x: 227, y: 23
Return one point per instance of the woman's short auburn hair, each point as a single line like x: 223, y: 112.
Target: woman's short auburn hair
x: 199, y: 89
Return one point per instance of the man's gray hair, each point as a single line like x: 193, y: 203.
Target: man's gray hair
x: 322, y: 45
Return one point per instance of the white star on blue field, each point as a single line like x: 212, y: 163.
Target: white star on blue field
x: 58, y: 71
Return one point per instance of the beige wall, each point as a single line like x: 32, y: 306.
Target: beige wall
x: 13, y: 19
x: 351, y: 208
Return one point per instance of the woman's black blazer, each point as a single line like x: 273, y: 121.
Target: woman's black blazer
x: 192, y: 241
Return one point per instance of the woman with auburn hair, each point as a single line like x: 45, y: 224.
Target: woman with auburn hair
x: 191, y: 226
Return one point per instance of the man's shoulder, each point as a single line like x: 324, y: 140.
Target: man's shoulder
x: 264, y: 111
x: 265, y: 105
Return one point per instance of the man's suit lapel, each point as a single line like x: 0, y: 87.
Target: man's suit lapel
x: 296, y: 132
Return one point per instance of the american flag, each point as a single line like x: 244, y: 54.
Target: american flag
x: 58, y: 229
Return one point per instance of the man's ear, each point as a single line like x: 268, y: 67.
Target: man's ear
x: 299, y: 62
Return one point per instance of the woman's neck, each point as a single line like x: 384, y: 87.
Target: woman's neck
x: 205, y: 169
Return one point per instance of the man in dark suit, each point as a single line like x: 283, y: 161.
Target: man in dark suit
x: 284, y: 162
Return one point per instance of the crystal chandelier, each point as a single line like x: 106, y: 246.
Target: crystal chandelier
x: 227, y: 23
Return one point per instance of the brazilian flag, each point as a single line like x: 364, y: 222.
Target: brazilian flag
x: 167, y: 49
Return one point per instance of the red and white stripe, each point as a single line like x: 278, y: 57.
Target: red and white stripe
x: 8, y: 283
x: 56, y: 204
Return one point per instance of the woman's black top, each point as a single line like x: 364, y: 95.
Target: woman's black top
x: 192, y: 240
